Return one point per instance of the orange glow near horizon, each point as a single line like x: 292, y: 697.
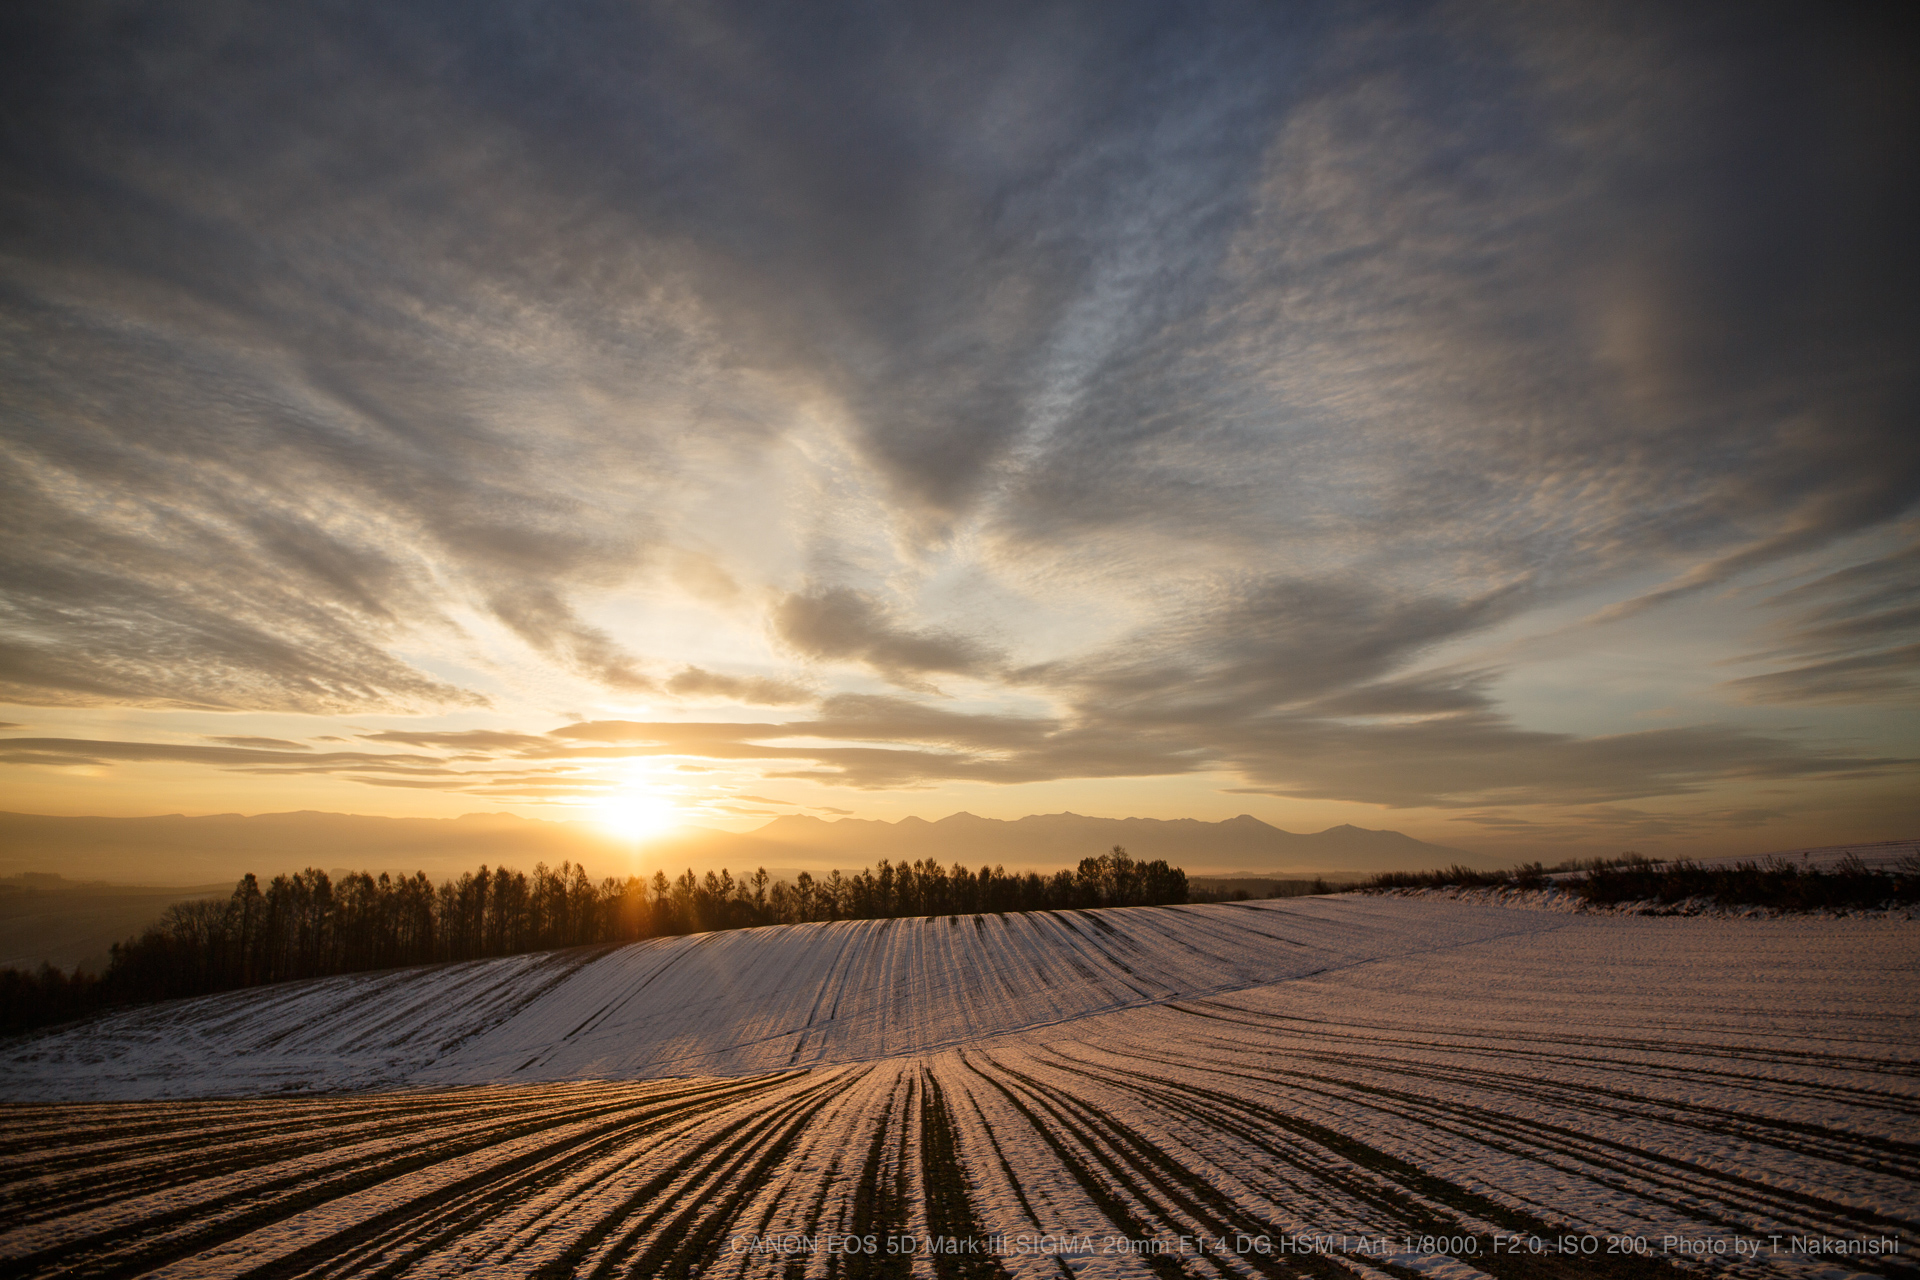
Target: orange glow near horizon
x: 638, y: 815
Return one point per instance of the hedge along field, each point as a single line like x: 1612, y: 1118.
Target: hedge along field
x: 1776, y: 883
x: 1413, y: 1084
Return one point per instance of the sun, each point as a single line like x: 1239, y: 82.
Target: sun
x: 637, y: 815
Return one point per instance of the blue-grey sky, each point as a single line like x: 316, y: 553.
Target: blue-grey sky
x: 1494, y: 421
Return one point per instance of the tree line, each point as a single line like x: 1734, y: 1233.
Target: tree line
x: 1777, y: 883
x: 308, y: 925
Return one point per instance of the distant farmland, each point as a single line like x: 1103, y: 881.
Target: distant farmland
x: 1326, y: 1087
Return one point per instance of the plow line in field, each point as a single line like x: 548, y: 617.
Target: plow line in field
x: 1504, y: 1101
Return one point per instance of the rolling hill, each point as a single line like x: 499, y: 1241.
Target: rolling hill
x: 1135, y: 1092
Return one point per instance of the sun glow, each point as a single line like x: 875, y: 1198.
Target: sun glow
x: 638, y: 815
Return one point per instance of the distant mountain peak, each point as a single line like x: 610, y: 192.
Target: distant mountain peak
x: 1239, y: 845
x: 200, y: 850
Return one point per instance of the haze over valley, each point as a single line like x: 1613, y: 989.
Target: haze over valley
x: 178, y: 849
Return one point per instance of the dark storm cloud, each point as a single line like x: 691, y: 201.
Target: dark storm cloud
x: 1320, y: 338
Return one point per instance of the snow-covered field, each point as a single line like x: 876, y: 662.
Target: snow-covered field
x: 1083, y: 1094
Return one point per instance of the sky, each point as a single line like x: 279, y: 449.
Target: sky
x: 1495, y: 422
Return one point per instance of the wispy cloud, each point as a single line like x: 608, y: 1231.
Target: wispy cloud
x: 844, y: 624
x: 1003, y: 395
x: 693, y: 682
x: 265, y: 744
x: 247, y: 759
x: 1849, y: 636
x: 1448, y: 761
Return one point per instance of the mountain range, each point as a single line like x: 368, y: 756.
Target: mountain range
x: 1239, y: 846
x: 174, y: 849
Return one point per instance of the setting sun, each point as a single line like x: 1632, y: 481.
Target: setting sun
x: 637, y: 815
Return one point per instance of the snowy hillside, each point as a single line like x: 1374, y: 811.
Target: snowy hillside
x: 724, y: 1003
x: 1411, y: 1080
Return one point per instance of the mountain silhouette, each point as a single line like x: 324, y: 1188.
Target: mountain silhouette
x: 176, y: 850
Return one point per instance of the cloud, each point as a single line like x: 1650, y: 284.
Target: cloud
x: 842, y: 624
x: 1852, y: 636
x: 269, y: 744
x: 693, y: 682
x: 542, y: 618
x: 461, y: 739
x: 132, y: 644
x: 69, y: 751
x: 1445, y: 693
x: 1449, y: 760
x: 1866, y: 678
x: 1624, y: 823
x: 1380, y: 363
x: 1206, y: 378
x: 869, y: 717
x: 1825, y: 518
x: 933, y: 744
x: 623, y: 732
x: 429, y: 784
x: 1474, y: 761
